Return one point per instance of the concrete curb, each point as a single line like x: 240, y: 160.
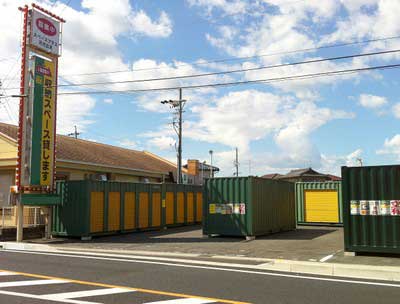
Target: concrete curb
x: 384, y: 273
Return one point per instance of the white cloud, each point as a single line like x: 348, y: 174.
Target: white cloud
x: 90, y: 44
x: 226, y: 6
x: 74, y: 111
x: 162, y: 142
x: 391, y: 147
x: 396, y: 110
x: 142, y: 24
x: 240, y: 117
x: 127, y: 143
x: 331, y: 164
x: 108, y: 101
x: 372, y: 101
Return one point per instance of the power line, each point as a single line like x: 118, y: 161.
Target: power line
x: 229, y: 72
x: 257, y: 81
x: 234, y: 71
x: 239, y: 58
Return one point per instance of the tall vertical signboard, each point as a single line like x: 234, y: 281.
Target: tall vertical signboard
x: 43, y: 122
x: 37, y: 123
x: 41, y: 45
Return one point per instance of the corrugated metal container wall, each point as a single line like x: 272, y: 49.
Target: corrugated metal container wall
x: 248, y: 206
x: 380, y: 230
x: 94, y: 208
x: 303, y: 188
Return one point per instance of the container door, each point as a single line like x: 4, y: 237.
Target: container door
x: 143, y: 210
x: 181, y: 208
x: 129, y: 211
x: 190, y: 207
x: 170, y: 210
x: 156, y: 209
x: 321, y: 206
x: 96, y: 212
x: 114, y: 211
x: 199, y: 207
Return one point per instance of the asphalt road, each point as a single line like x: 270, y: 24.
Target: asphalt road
x: 41, y: 278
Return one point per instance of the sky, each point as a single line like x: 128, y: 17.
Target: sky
x: 320, y: 122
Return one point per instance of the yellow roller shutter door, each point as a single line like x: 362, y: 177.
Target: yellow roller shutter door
x: 321, y: 206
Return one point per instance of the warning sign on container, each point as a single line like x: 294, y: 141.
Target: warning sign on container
x: 211, y: 209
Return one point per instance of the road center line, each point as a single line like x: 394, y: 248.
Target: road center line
x: 86, y: 293
x: 149, y: 291
x: 182, y: 301
x: 328, y: 257
x: 6, y: 273
x: 39, y: 297
x: 266, y: 273
x: 31, y: 283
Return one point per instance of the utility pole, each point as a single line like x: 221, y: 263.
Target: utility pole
x: 360, y: 161
x: 236, y: 162
x: 75, y: 133
x: 178, y: 106
x: 211, y: 163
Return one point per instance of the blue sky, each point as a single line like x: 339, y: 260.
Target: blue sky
x: 322, y: 122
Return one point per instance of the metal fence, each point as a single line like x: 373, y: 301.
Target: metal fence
x: 33, y: 217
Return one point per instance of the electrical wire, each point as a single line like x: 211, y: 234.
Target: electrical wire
x: 229, y: 72
x: 234, y: 83
x: 240, y: 58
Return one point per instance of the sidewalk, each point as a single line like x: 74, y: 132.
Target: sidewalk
x: 312, y: 250
x: 307, y: 243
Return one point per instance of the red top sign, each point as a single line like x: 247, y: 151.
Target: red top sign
x: 46, y: 27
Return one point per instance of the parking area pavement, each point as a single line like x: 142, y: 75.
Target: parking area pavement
x: 305, y: 243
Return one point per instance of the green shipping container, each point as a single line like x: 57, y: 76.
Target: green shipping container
x: 375, y: 229
x: 248, y: 206
x: 319, y: 203
x: 90, y: 208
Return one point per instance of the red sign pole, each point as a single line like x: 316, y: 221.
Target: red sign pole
x: 21, y: 100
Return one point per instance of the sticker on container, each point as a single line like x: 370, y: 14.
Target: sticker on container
x: 211, y: 209
x: 218, y: 208
x: 384, y: 207
x: 364, y: 208
x: 242, y: 208
x: 228, y: 208
x: 223, y: 209
x: 395, y: 207
x: 236, y: 209
x: 355, y: 207
x: 374, y: 208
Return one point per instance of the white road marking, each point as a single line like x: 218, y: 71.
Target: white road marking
x: 86, y: 293
x: 273, y: 274
x: 6, y: 273
x: 31, y: 283
x: 33, y: 296
x: 183, y: 301
x: 328, y: 257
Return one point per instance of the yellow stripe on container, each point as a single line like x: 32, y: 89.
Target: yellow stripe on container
x: 156, y: 209
x: 129, y: 210
x: 190, y: 207
x: 169, y: 208
x: 114, y: 211
x: 180, y: 208
x: 143, y: 210
x: 321, y: 206
x: 96, y: 212
x: 199, y: 207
